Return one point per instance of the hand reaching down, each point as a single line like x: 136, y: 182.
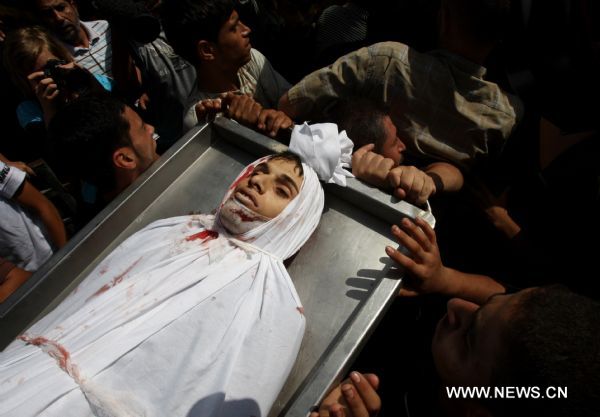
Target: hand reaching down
x: 355, y: 397
x: 427, y: 273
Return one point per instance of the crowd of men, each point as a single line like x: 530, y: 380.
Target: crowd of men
x: 503, y: 143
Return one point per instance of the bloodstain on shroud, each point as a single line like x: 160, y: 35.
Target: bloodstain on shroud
x: 204, y: 235
x: 116, y: 280
x: 56, y: 351
x: 249, y: 170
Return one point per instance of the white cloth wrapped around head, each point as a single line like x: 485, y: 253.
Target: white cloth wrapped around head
x: 325, y: 149
x: 283, y: 235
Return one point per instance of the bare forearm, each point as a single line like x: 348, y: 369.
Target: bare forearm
x: 471, y: 287
x: 450, y: 177
x: 35, y: 201
x: 13, y: 280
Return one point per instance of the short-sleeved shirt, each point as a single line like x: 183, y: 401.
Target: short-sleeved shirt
x: 22, y: 239
x: 97, y: 58
x: 257, y: 78
x: 439, y: 101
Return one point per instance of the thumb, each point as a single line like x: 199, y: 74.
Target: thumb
x: 364, y: 149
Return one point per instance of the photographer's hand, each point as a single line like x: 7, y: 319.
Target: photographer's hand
x: 46, y: 91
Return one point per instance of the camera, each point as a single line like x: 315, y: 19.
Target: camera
x: 72, y: 82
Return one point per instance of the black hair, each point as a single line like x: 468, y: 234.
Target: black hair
x: 86, y: 132
x: 485, y: 21
x: 362, y: 119
x: 291, y: 157
x: 553, y: 341
x: 188, y: 21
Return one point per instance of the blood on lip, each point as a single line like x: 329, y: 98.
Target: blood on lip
x: 245, y: 217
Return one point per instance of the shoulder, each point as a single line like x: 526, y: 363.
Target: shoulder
x: 257, y: 61
x: 11, y: 180
x: 96, y: 27
x: 394, y: 50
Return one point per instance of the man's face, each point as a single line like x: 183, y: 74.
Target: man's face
x: 270, y: 187
x: 62, y: 18
x: 392, y: 145
x: 142, y: 142
x: 468, y: 340
x: 233, y: 43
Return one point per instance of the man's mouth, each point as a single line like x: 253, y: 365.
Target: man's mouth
x: 246, y: 198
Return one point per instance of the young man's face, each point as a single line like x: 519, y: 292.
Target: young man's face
x: 62, y: 18
x: 468, y: 340
x: 392, y: 145
x: 270, y: 188
x: 233, y: 42
x: 142, y: 142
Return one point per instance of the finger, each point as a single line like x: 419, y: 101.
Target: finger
x: 405, y: 292
x: 34, y: 76
x: 407, y: 241
x: 200, y: 111
x: 367, y: 399
x: 426, y: 228
x: 400, y: 193
x: 373, y: 380
x: 261, y: 123
x: 215, y: 105
x: 415, y: 188
x: 53, y: 95
x: 276, y: 124
x: 426, y: 192
x: 386, y: 163
x: 416, y: 233
x: 355, y: 403
x: 254, y: 112
x: 364, y: 149
x: 336, y: 410
x: 227, y: 98
x: 400, y: 258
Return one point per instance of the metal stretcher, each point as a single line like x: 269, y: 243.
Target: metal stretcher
x: 343, y: 277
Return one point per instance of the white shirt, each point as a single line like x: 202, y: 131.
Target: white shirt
x: 22, y: 238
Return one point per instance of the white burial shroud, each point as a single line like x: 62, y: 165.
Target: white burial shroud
x: 179, y: 320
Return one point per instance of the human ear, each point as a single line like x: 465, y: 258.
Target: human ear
x: 124, y: 158
x: 205, y: 50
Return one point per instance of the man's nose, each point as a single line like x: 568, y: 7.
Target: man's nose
x: 401, y: 144
x: 460, y: 312
x: 246, y: 31
x: 56, y: 15
x: 258, y: 182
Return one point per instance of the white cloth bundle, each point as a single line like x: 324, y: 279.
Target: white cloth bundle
x: 180, y: 320
x: 325, y: 149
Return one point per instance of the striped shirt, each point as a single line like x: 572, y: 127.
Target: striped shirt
x: 97, y: 59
